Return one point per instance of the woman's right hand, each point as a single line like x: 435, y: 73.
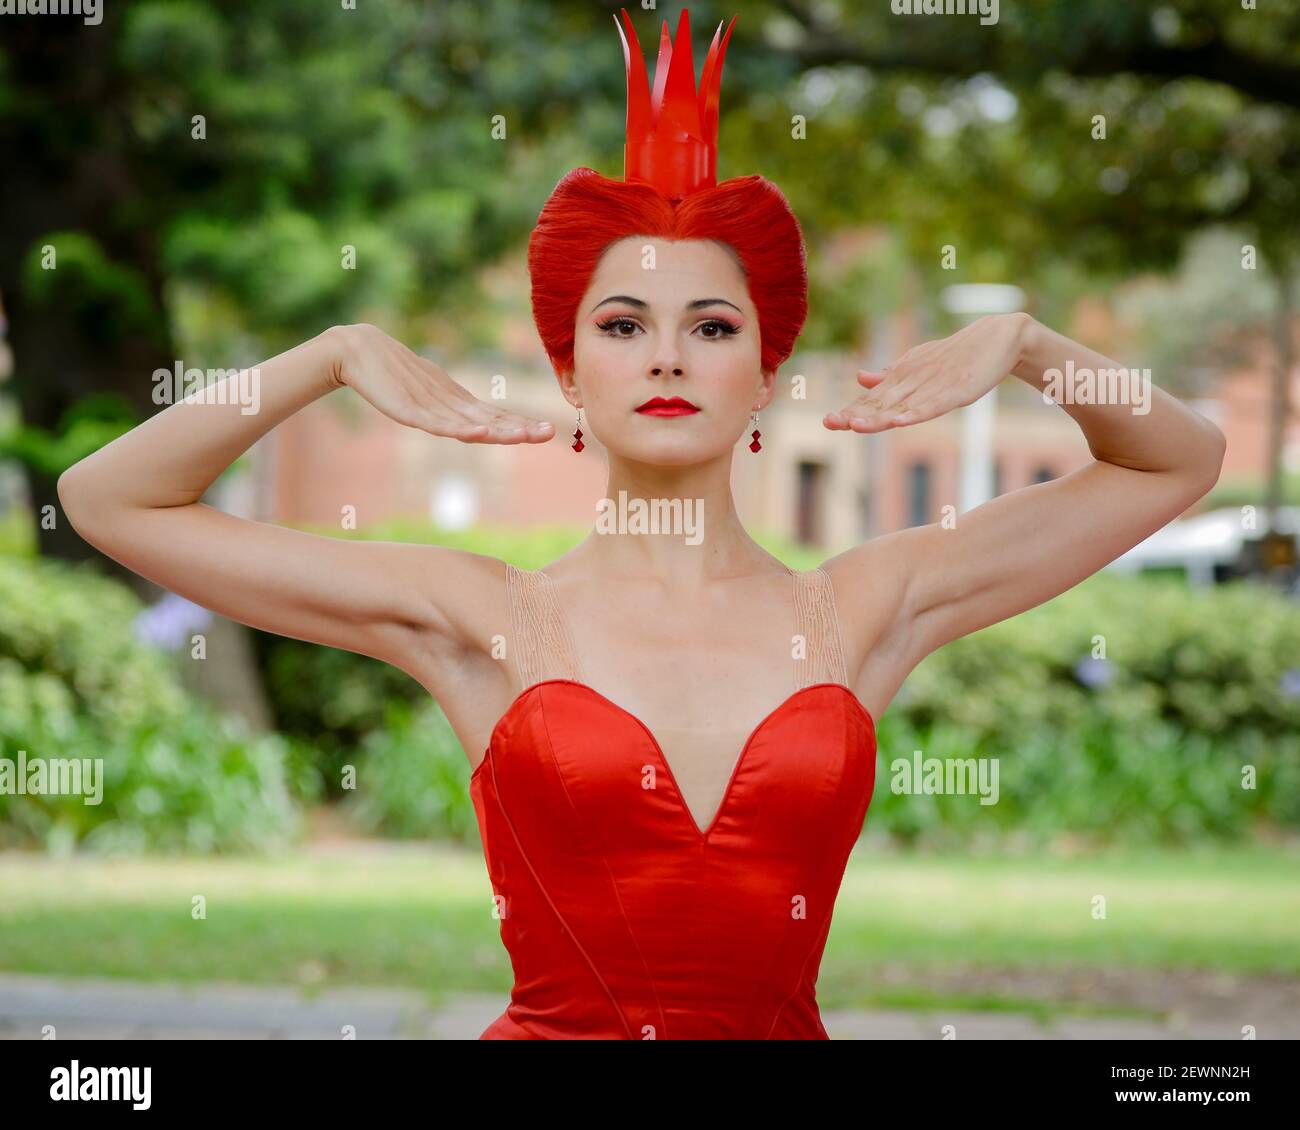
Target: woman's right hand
x: 414, y: 391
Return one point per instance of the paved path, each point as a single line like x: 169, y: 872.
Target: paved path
x: 108, y: 1009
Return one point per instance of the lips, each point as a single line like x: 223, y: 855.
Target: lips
x: 672, y: 406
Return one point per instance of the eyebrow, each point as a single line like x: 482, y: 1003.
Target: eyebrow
x: 643, y: 305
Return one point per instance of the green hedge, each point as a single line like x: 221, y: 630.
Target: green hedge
x: 327, y: 703
x: 412, y: 777
x: 1148, y: 744
x: 76, y: 683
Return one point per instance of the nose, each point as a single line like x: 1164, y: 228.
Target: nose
x: 665, y: 356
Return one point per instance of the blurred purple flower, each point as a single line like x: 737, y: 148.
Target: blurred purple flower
x: 168, y: 623
x: 1094, y: 673
x: 1290, y: 682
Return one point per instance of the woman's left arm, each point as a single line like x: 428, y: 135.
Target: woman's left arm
x: 1153, y: 457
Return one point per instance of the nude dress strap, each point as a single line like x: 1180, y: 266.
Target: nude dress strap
x: 542, y: 646
x: 818, y: 621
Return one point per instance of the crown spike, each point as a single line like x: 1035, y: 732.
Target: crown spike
x: 638, y: 86
x: 672, y: 130
x: 711, y: 84
x: 678, y: 115
x: 710, y: 61
x: 663, y: 64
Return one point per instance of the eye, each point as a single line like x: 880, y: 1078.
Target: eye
x: 609, y: 323
x: 724, y: 329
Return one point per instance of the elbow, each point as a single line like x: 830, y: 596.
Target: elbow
x: 1209, y: 463
x: 68, y: 496
x: 73, y: 496
x: 64, y: 489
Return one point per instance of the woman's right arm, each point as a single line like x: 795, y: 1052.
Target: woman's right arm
x: 137, y: 500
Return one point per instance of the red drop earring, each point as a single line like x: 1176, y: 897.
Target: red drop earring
x: 577, y: 433
x: 755, y: 446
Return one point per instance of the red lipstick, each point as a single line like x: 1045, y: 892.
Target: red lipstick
x: 673, y: 406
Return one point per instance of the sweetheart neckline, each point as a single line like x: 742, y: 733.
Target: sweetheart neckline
x: 702, y: 834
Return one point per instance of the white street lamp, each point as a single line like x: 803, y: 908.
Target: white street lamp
x: 969, y: 301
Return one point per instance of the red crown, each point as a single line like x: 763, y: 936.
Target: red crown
x: 672, y: 136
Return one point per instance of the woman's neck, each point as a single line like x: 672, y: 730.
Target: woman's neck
x: 670, y: 524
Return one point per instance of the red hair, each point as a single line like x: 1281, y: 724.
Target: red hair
x: 587, y: 212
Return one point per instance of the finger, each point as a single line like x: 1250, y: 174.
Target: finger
x: 462, y: 424
x: 843, y: 419
x: 510, y: 427
x: 852, y: 417
x: 869, y: 378
x: 864, y: 414
x: 904, y: 415
x: 867, y: 424
x: 530, y: 430
x: 463, y: 431
x: 885, y: 404
x: 899, y: 392
x: 861, y: 416
x: 867, y: 418
x: 501, y: 432
x: 540, y: 431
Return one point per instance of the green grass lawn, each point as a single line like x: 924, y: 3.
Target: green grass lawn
x: 420, y: 917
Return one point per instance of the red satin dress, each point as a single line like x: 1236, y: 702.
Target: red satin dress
x: 622, y: 917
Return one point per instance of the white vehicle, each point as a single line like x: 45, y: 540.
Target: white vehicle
x: 1207, y: 548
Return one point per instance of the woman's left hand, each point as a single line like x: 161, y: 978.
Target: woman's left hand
x: 936, y: 376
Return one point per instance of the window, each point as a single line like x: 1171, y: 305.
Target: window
x: 808, y: 518
x: 918, y: 501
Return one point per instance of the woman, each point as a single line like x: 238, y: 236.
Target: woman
x: 672, y: 744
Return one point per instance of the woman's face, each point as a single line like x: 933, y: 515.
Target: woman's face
x: 666, y: 319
